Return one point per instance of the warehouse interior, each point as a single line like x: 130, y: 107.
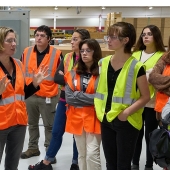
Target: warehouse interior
x: 63, y: 20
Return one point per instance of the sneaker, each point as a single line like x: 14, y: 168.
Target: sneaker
x: 30, y: 153
x: 134, y: 167
x: 54, y: 161
x: 74, y: 167
x: 40, y: 166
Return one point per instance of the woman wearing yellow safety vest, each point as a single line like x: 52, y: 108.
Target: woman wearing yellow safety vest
x: 148, y: 50
x: 121, y: 94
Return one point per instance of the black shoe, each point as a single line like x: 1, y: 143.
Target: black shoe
x: 40, y: 166
x: 74, y: 167
x: 54, y: 161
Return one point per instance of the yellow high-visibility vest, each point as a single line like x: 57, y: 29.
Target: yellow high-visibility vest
x: 124, y: 94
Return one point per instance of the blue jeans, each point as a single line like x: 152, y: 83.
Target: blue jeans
x: 57, y: 134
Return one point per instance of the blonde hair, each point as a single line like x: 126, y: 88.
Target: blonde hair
x: 3, y: 33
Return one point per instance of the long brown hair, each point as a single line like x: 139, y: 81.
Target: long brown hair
x: 97, y: 55
x: 124, y: 29
x: 156, y: 36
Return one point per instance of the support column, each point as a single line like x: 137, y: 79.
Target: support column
x: 100, y: 28
x: 54, y: 22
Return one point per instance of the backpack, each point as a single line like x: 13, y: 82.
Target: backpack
x: 159, y: 146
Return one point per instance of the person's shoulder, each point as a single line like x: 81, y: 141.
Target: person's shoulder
x: 103, y: 59
x: 69, y: 54
x: 29, y: 47
x: 136, y: 52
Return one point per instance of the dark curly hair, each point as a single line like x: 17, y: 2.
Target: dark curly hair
x: 46, y: 29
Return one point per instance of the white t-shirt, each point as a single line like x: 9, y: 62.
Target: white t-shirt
x: 144, y: 58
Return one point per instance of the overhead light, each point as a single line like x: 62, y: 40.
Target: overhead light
x: 56, y: 8
x: 103, y: 7
x: 150, y: 7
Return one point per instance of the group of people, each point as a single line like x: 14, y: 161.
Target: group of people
x: 99, y: 99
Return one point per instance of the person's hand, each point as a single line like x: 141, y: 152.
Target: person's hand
x: 3, y: 84
x: 158, y: 116
x: 123, y: 115
x: 60, y: 72
x: 40, y: 75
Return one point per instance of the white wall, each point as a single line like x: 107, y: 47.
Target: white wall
x: 75, y: 22
x: 88, y: 16
x: 94, y: 12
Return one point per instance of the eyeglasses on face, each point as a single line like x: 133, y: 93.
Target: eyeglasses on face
x: 146, y: 34
x: 11, y: 40
x: 74, y: 39
x: 112, y: 37
x: 41, y: 35
x: 85, y: 50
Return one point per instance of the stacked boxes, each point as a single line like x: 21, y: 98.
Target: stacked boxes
x: 112, y: 18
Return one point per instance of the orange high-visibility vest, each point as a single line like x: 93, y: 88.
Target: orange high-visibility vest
x: 48, y: 88
x: 12, y: 104
x: 79, y: 118
x: 161, y: 98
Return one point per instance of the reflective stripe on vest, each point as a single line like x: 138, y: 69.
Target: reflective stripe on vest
x: 19, y: 63
x: 67, y: 61
x: 12, y: 99
x: 126, y: 99
x: 49, y: 78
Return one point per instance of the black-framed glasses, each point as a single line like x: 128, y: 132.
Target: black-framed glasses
x: 146, y: 34
x: 85, y: 50
x: 41, y: 35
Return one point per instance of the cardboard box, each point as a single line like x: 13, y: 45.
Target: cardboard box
x: 108, y: 16
x: 115, y: 15
x: 154, y: 21
x: 166, y: 36
x: 142, y: 22
x: 129, y: 20
x: 167, y: 22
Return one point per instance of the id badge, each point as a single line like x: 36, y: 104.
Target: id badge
x: 48, y: 100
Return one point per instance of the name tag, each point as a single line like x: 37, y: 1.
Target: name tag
x: 48, y: 100
x: 99, y: 69
x: 75, y: 82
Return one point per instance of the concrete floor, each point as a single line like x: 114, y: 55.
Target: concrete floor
x: 64, y: 156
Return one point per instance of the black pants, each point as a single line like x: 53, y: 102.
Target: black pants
x: 150, y: 122
x: 13, y: 138
x: 118, y: 140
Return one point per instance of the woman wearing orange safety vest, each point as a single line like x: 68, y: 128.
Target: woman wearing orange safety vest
x: 160, y: 79
x: 13, y: 92
x: 81, y: 84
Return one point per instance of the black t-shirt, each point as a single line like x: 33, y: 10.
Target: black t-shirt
x: 86, y: 78
x: 112, y: 76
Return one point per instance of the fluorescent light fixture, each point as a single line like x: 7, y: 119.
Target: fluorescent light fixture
x: 56, y: 8
x: 103, y: 7
x: 150, y: 7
